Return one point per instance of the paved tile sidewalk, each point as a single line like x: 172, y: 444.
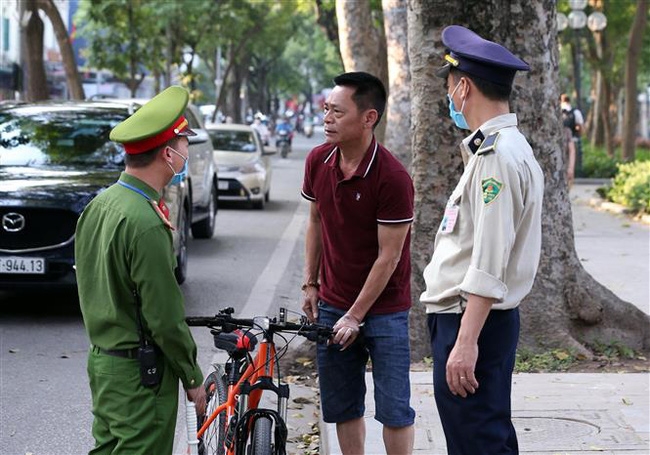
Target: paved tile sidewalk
x: 563, y: 414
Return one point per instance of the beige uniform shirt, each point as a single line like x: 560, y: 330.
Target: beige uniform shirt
x: 489, y: 240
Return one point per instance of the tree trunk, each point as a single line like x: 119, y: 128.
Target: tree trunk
x: 599, y: 104
x: 326, y: 19
x: 631, y: 69
x: 169, y: 55
x: 398, y: 111
x: 566, y: 307
x: 234, y: 84
x: 576, y: 59
x: 231, y: 107
x: 363, y: 46
x: 596, y: 117
x: 233, y: 53
x: 75, y: 88
x: 437, y: 164
x: 134, y: 65
x: 608, y: 112
x: 156, y: 80
x: 36, y: 79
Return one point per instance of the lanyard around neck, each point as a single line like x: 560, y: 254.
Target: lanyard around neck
x: 161, y: 209
x: 133, y: 188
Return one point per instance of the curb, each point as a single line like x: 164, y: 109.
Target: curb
x: 592, y: 181
x: 601, y: 204
x: 612, y: 207
x: 324, y: 432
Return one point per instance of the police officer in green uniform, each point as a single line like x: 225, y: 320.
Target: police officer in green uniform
x: 486, y: 251
x: 128, y: 292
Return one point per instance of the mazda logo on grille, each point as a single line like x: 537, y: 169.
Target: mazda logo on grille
x: 13, y: 222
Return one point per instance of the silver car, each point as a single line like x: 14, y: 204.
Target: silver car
x: 243, y: 163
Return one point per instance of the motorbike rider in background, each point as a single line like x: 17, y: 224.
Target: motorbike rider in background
x: 282, y: 129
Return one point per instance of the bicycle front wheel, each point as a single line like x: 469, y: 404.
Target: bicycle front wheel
x: 213, y: 440
x: 262, y: 440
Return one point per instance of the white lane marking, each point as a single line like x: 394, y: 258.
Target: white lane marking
x: 263, y: 292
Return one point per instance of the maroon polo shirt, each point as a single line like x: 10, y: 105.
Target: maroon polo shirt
x: 379, y: 192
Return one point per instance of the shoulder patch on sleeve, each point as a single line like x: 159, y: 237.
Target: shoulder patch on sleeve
x: 489, y: 144
x: 491, y: 189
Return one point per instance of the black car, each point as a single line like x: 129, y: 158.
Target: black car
x: 54, y: 158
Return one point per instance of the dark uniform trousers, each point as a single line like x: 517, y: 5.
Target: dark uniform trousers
x: 129, y: 417
x: 479, y: 424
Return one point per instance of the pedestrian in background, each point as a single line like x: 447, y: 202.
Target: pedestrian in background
x: 573, y: 122
x: 357, y: 266
x: 569, y: 152
x: 486, y: 251
x: 131, y: 304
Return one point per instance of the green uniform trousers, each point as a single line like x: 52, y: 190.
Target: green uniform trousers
x: 130, y: 418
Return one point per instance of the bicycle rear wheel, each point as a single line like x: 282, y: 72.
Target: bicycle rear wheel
x: 262, y: 438
x: 212, y: 441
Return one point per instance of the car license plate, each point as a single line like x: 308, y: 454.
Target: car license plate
x: 223, y: 184
x: 21, y: 265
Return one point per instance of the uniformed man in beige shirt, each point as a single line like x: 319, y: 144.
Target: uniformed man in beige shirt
x: 486, y: 252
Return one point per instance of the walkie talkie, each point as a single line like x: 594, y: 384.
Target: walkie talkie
x: 149, y: 372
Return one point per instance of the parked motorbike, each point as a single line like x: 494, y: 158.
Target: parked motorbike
x: 283, y: 143
x: 308, y: 129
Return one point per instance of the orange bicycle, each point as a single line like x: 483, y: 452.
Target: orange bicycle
x: 235, y: 423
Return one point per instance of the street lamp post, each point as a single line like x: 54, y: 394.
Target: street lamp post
x: 577, y: 20
x: 188, y: 60
x: 218, y: 77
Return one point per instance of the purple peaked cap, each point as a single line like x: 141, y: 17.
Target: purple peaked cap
x: 468, y: 52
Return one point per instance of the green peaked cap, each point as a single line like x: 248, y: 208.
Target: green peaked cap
x: 160, y: 119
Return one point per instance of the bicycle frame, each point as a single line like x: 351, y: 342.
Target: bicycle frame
x: 247, y: 377
x: 248, y: 389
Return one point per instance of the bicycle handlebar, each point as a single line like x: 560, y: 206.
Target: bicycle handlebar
x: 225, y: 322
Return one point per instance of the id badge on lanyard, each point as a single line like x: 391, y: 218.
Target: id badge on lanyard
x: 449, y: 219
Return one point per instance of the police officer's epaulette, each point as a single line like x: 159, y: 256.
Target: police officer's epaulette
x: 489, y: 144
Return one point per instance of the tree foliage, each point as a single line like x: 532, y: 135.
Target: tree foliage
x: 271, y: 49
x: 308, y: 61
x: 123, y: 36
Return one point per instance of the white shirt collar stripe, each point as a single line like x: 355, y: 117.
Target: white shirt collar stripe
x: 330, y: 155
x: 372, y: 159
x: 374, y: 154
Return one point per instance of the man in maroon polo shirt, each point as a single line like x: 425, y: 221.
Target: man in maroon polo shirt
x: 357, y: 266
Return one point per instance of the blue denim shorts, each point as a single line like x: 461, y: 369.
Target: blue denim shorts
x: 384, y: 339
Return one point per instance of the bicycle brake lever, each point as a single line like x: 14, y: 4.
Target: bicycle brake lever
x: 227, y: 327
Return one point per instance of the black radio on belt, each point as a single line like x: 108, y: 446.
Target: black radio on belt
x: 149, y: 373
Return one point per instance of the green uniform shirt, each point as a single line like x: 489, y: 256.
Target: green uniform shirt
x: 121, y: 245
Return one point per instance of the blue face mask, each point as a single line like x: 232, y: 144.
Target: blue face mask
x: 178, y: 176
x: 457, y: 116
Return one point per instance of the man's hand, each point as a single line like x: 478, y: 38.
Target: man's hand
x: 197, y: 396
x: 460, y: 369
x: 346, y: 330
x: 310, y: 303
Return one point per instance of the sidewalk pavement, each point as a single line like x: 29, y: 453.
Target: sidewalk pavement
x: 560, y: 413
x: 554, y: 414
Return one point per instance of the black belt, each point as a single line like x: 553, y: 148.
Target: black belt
x: 124, y: 353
